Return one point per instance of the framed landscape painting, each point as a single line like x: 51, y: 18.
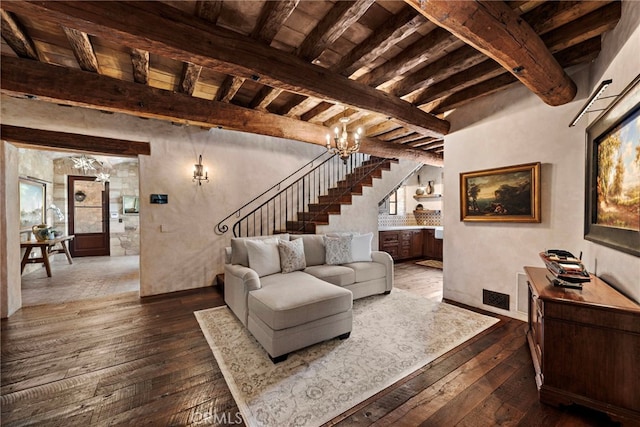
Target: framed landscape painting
x: 508, y: 194
x: 612, y: 208
x: 32, y: 199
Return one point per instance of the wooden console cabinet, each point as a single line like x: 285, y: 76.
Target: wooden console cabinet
x: 585, y: 346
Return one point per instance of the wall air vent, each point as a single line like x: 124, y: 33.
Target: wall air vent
x: 495, y: 299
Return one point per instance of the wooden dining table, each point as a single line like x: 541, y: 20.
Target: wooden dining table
x: 47, y: 247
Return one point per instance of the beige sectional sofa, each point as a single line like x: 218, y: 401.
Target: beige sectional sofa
x: 292, y: 291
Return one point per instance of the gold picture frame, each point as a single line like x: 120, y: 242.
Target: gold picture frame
x: 506, y: 194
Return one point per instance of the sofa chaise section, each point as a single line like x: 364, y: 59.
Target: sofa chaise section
x: 289, y: 314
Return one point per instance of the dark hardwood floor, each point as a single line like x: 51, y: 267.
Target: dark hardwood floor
x: 119, y: 360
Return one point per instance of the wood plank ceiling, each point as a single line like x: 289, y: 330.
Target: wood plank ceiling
x: 293, y: 68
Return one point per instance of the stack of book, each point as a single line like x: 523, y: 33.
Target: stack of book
x: 567, y: 270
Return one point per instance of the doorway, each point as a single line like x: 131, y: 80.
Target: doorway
x: 88, y: 207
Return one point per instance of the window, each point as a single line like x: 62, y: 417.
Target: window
x: 393, y: 203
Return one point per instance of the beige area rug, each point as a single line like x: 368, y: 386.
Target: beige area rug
x: 431, y: 263
x: 392, y: 336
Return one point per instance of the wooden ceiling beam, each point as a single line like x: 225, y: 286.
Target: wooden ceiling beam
x: 16, y: 37
x: 189, y: 78
x: 340, y: 17
x: 592, y: 24
x: 564, y: 37
x: 140, y: 64
x: 82, y: 49
x: 382, y: 127
x: 264, y: 97
x: 315, y: 111
x: 302, y: 107
x: 395, y: 134
x: 452, y: 63
x: 393, y: 31
x: 272, y: 18
x: 397, y: 28
x: 578, y: 54
x: 494, y: 29
x: 456, y: 61
x: 409, y: 138
x: 209, y: 10
x: 554, y: 14
x: 74, y: 142
x: 369, y: 121
x: 51, y: 83
x: 228, y: 89
x: 469, y: 77
x: 169, y: 32
x: 489, y: 69
x: 434, y: 45
x: 427, y: 143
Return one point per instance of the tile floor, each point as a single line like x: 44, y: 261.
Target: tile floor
x: 86, y: 278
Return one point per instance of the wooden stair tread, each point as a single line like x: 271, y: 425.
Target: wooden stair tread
x: 342, y: 194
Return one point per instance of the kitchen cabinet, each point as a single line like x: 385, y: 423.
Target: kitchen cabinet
x: 584, y: 345
x: 389, y: 242
x: 407, y: 244
x: 432, y: 247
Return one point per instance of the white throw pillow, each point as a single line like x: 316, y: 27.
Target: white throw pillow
x: 338, y: 249
x: 264, y: 257
x: 361, y: 247
x: 292, y: 255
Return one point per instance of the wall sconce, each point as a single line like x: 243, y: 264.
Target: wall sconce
x: 199, y: 173
x: 590, y: 102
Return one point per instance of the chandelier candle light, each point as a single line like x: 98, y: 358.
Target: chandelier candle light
x: 341, y: 139
x: 199, y: 173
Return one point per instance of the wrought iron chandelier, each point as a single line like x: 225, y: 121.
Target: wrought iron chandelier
x: 85, y: 163
x: 344, y: 144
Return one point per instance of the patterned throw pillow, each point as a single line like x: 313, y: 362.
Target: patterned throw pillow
x: 338, y: 249
x: 292, y: 255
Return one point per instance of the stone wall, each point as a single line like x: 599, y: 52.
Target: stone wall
x: 125, y: 228
x: 123, y: 180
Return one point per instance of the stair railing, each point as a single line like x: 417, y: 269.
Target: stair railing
x: 355, y: 179
x: 272, y: 216
x: 222, y: 228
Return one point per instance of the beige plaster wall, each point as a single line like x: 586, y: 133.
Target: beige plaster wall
x: 514, y: 127
x: 11, y: 297
x: 178, y: 246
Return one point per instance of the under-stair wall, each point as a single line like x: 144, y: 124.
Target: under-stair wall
x: 362, y: 214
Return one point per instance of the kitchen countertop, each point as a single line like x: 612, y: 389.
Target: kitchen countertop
x: 410, y: 227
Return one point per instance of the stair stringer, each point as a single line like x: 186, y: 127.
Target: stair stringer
x: 361, y: 215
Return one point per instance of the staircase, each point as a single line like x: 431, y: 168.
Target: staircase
x: 341, y: 194
x: 309, y: 198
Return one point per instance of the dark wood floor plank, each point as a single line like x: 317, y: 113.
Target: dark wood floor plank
x: 436, y: 395
x: 465, y: 401
x: 120, y: 360
x: 397, y: 395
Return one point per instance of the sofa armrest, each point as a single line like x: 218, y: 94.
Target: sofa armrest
x: 385, y: 259
x: 238, y: 282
